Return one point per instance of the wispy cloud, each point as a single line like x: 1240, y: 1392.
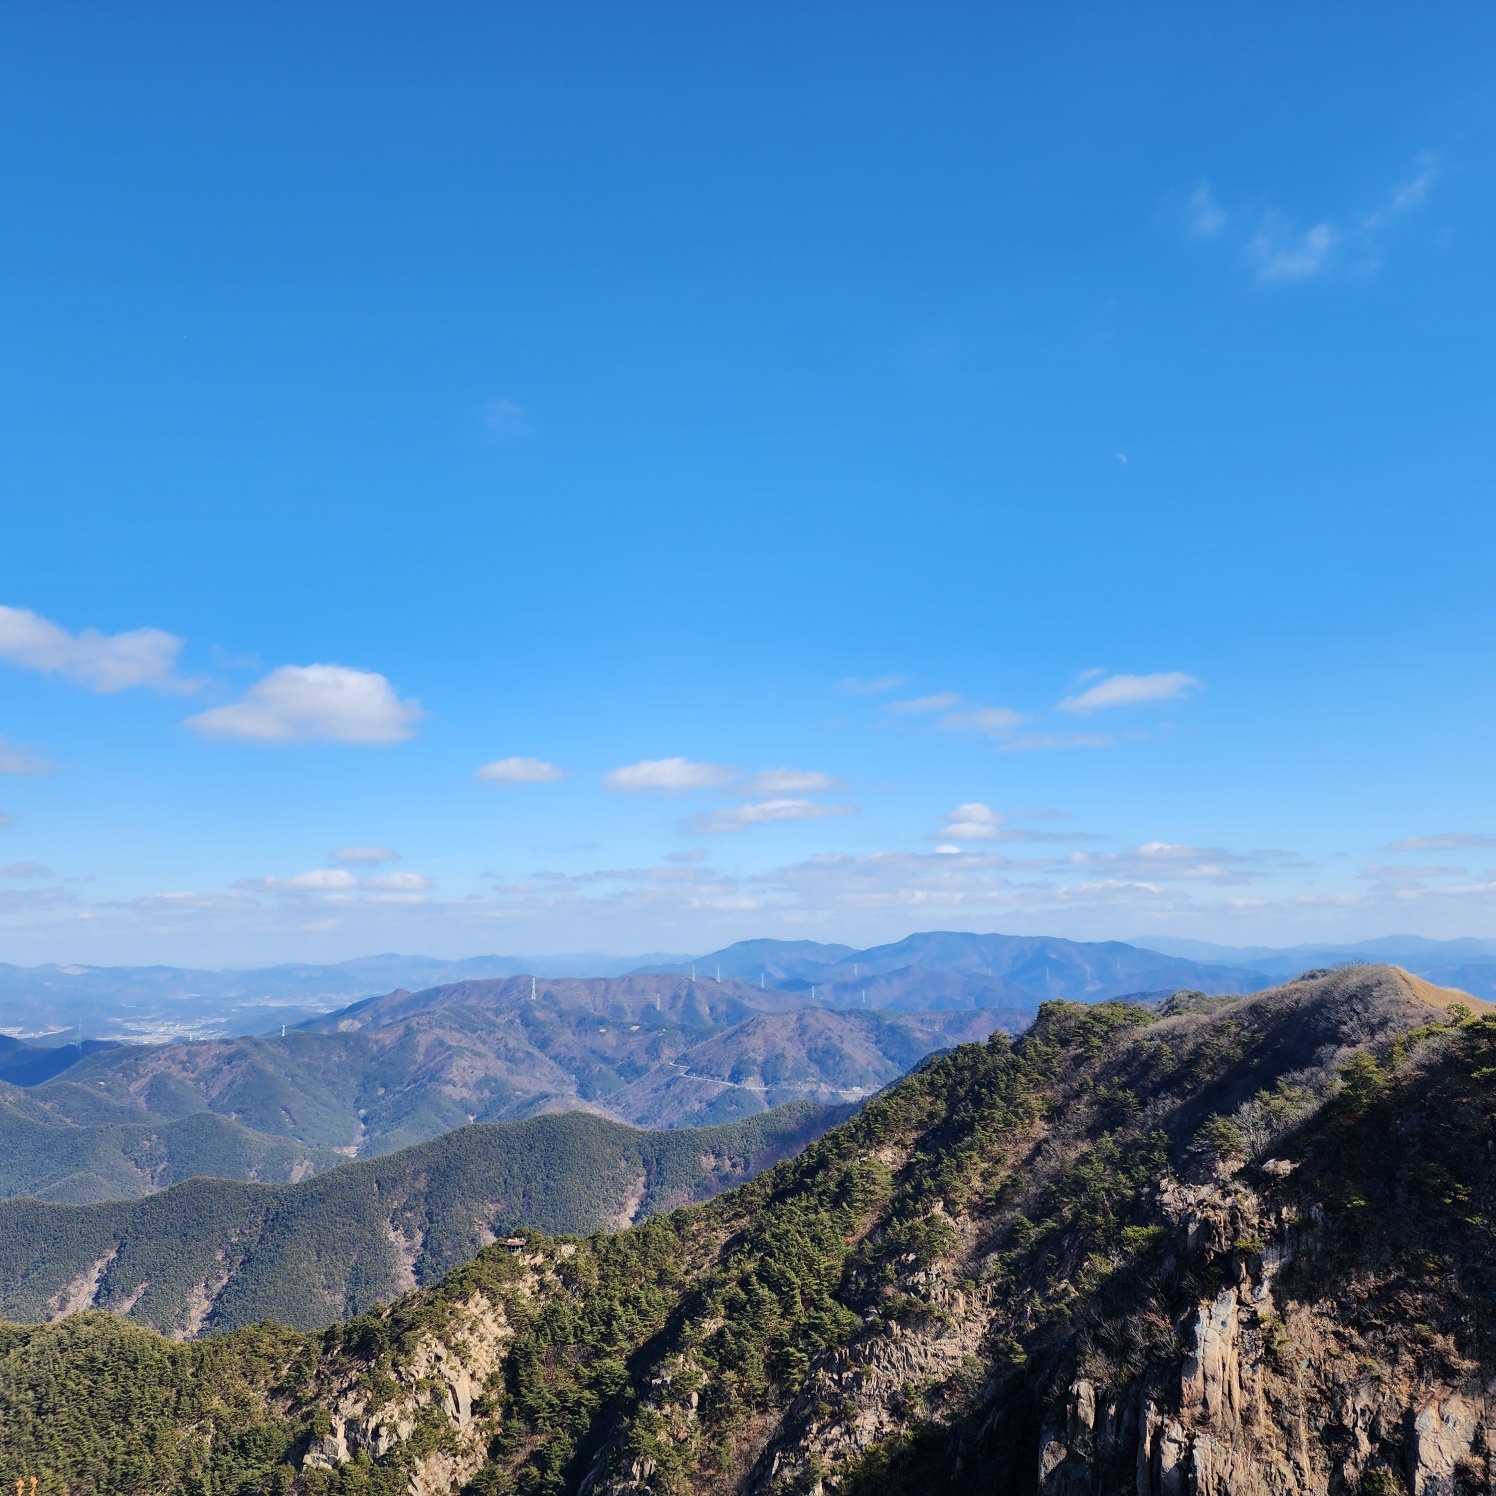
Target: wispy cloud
x: 1130, y: 690
x: 102, y: 662
x: 318, y: 880
x: 861, y: 898
x: 1411, y: 195
x: 790, y: 782
x: 367, y: 855
x: 854, y: 687
x: 16, y: 758
x: 520, y: 771
x: 989, y: 721
x: 25, y: 870
x: 338, y: 887
x: 1205, y: 217
x: 1407, y: 875
x: 1282, y: 250
x: 920, y: 705
x: 399, y: 883
x: 763, y: 813
x: 667, y: 776
x: 1051, y: 742
x: 1177, y: 862
x: 1448, y: 841
x: 503, y: 420
x: 314, y: 703
x: 6, y: 820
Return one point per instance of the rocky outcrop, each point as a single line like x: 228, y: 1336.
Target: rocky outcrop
x: 83, y: 1291
x: 1269, y: 1397
x: 862, y: 1393
x: 440, y: 1382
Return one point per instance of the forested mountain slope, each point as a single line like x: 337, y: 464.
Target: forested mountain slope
x: 214, y: 1254
x: 122, y: 1152
x: 1240, y: 1246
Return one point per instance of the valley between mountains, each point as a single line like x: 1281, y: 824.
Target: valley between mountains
x: 1213, y: 1247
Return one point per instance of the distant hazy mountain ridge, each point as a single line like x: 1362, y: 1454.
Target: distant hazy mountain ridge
x: 973, y: 971
x: 1020, y: 970
x: 1467, y: 964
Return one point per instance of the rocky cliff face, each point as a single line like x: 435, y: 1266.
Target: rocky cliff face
x: 1234, y: 1246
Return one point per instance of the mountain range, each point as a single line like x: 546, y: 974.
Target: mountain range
x: 937, y: 970
x: 165, y: 1002
x: 653, y: 1051
x: 1465, y: 963
x: 943, y: 969
x: 1222, y: 1246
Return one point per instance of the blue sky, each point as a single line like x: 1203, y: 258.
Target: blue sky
x: 879, y: 467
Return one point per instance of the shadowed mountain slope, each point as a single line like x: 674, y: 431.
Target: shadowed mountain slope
x: 1233, y: 1248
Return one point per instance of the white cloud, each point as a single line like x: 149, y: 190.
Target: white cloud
x: 670, y: 776
x: 854, y: 687
x: 314, y: 703
x: 399, y: 882
x: 990, y: 721
x: 1449, y: 841
x: 1130, y: 690
x: 1414, y: 193
x: 1206, y: 218
x: 922, y: 704
x: 503, y: 419
x: 338, y: 886
x: 1283, y: 253
x: 520, y: 771
x: 1045, y: 742
x: 16, y: 758
x: 102, y: 662
x: 790, y: 782
x: 862, y: 899
x: 25, y: 870
x: 318, y: 880
x: 1178, y: 862
x: 6, y: 820
x: 365, y: 855
x: 740, y: 817
x: 1408, y: 876
x: 974, y: 822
